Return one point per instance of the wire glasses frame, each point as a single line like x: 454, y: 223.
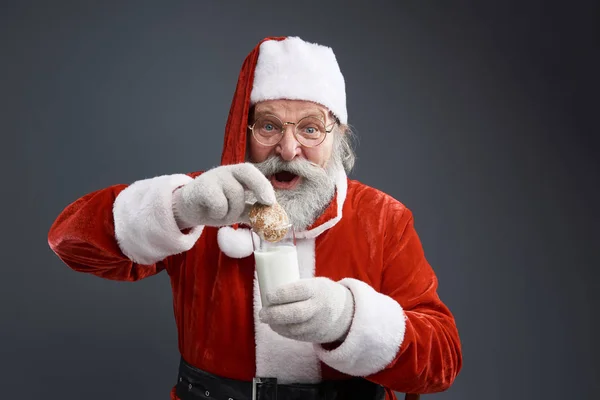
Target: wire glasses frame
x: 272, y: 136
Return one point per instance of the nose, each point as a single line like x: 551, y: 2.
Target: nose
x: 288, y: 148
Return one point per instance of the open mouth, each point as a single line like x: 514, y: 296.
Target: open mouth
x: 284, y: 180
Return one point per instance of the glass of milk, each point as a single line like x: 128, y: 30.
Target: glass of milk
x: 276, y: 263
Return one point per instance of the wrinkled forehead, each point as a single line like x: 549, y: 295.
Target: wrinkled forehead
x: 296, y: 108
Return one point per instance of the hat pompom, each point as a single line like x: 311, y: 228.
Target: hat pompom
x: 236, y: 243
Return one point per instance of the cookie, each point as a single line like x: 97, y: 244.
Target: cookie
x: 271, y: 223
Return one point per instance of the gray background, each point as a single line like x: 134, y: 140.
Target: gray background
x: 482, y: 119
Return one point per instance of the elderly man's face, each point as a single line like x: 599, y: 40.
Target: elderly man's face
x: 304, y: 178
x: 289, y: 149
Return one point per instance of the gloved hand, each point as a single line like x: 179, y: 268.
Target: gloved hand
x: 218, y: 198
x: 316, y: 310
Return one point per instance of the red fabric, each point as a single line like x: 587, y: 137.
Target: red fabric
x: 379, y: 231
x: 79, y: 234
x: 234, y: 146
x: 211, y: 290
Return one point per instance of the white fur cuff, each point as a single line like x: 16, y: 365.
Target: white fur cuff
x: 145, y: 226
x: 375, y: 336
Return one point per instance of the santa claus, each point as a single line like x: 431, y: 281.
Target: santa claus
x: 364, y: 320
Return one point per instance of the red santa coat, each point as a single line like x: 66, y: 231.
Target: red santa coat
x: 402, y: 335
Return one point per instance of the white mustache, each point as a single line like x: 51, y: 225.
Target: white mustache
x: 300, y: 167
x: 305, y: 202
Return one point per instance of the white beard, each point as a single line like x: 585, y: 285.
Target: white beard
x: 307, y: 201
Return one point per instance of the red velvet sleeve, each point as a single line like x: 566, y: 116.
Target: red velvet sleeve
x: 429, y: 357
x: 402, y: 335
x: 123, y: 232
x: 83, y: 237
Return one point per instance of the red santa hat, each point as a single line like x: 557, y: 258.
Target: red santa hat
x: 277, y: 68
x: 282, y: 68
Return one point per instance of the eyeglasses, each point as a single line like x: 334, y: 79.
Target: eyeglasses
x: 310, y: 131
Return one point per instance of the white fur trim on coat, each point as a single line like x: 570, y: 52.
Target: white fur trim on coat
x: 145, y: 227
x: 297, y: 70
x: 236, y: 243
x: 288, y: 360
x: 375, y: 336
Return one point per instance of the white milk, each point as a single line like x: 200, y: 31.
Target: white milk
x: 275, y: 266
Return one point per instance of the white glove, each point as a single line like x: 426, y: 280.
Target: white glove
x: 316, y: 310
x: 218, y: 198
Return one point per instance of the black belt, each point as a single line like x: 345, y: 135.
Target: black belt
x: 195, y: 384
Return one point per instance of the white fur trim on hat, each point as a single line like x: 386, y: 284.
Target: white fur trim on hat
x: 297, y: 70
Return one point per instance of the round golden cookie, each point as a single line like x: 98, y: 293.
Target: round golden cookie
x: 271, y: 223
